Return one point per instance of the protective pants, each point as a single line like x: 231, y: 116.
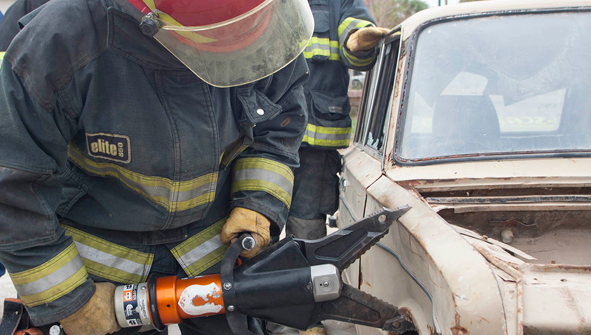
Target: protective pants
x: 315, y: 193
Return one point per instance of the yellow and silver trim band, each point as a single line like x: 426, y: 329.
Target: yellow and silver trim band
x: 261, y: 174
x: 327, y: 137
x: 52, y: 279
x: 110, y: 260
x: 175, y: 196
x: 202, y: 250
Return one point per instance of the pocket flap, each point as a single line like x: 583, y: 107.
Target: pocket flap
x: 257, y: 106
x: 330, y: 103
x: 321, y: 21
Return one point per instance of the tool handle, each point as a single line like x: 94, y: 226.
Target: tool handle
x: 247, y: 241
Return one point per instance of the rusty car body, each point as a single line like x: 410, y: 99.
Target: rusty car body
x: 478, y: 115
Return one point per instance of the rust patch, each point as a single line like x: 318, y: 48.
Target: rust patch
x: 562, y: 267
x: 459, y: 331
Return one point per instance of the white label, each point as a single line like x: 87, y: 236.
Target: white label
x: 204, y: 295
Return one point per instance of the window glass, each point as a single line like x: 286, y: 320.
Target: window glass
x: 379, y: 120
x: 358, y: 123
x: 515, y: 84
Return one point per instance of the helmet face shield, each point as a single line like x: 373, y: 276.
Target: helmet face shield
x: 243, y: 49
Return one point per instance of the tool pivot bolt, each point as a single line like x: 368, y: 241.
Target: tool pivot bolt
x: 231, y: 308
x: 382, y: 218
x: 227, y: 286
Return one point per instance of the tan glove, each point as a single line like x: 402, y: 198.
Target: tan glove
x: 245, y: 220
x: 365, y: 38
x: 97, y: 317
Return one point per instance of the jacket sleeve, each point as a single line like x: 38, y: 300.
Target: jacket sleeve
x: 263, y: 173
x: 355, y: 15
x: 43, y: 263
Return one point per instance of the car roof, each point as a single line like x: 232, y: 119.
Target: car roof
x: 483, y: 7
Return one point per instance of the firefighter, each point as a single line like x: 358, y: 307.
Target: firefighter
x: 140, y: 138
x: 345, y: 37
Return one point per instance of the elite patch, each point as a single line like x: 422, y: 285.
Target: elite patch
x: 109, y: 146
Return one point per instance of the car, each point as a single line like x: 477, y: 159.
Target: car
x: 357, y: 79
x: 478, y: 117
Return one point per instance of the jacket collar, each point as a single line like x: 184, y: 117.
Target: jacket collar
x: 126, y: 38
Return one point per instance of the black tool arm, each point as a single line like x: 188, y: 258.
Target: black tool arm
x: 344, y: 246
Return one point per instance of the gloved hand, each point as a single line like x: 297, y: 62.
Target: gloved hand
x: 365, y: 38
x: 245, y: 220
x: 97, y: 317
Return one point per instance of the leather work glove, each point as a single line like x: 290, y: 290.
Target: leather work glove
x: 244, y: 220
x: 97, y: 317
x: 365, y: 38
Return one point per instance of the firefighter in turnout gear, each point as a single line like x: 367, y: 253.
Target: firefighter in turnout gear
x: 345, y: 37
x: 141, y: 138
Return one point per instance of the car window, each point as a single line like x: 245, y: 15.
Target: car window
x: 364, y: 107
x: 377, y: 104
x: 514, y: 84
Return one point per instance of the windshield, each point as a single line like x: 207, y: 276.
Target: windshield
x: 513, y: 84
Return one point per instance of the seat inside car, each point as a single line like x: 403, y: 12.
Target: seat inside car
x: 465, y: 124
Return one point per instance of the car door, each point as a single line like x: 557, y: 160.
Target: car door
x: 363, y: 160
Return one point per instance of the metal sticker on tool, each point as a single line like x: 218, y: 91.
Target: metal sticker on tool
x: 199, y: 299
x: 132, y: 317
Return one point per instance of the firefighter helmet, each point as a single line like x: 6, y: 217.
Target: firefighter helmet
x: 230, y: 42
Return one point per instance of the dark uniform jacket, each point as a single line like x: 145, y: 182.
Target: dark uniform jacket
x: 110, y: 146
x: 329, y: 124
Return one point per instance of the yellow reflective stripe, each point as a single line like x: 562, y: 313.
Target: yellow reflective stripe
x: 357, y: 61
x: 327, y: 136
x: 52, y: 279
x: 174, y: 196
x: 202, y: 250
x: 110, y: 260
x: 326, y: 143
x: 2, y: 56
x: 351, y: 23
x: 261, y: 174
x: 322, y: 46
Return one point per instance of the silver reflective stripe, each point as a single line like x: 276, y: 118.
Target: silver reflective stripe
x: 55, y: 278
x: 324, y: 47
x: 111, y: 261
x: 154, y: 191
x: 267, y: 175
x: 330, y: 137
x: 200, y: 251
x: 174, y: 196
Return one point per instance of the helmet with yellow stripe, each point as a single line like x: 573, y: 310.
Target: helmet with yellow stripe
x: 229, y: 42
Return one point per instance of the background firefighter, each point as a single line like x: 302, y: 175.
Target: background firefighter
x: 128, y: 151
x: 345, y: 37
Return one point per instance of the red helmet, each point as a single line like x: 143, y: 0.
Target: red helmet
x: 231, y: 42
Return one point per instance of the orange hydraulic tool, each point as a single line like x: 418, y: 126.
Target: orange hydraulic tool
x: 295, y: 282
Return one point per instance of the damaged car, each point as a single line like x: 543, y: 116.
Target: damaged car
x: 478, y: 116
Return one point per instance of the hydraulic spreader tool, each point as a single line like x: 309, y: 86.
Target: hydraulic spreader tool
x: 295, y: 282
